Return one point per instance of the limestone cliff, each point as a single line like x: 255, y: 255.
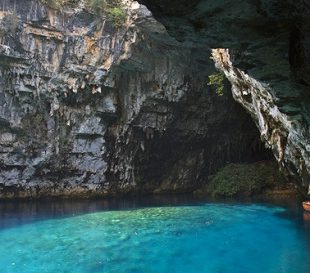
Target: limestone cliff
x: 263, y: 49
x: 285, y: 134
x: 87, y: 107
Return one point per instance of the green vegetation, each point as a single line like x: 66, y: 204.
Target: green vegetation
x: 113, y: 9
x: 217, y: 79
x: 117, y: 16
x: 243, y: 179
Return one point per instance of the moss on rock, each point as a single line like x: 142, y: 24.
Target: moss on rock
x: 243, y: 179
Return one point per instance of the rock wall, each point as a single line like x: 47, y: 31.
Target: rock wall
x: 263, y: 48
x: 87, y: 108
x: 284, y: 134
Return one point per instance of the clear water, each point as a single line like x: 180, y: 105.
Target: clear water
x: 210, y: 238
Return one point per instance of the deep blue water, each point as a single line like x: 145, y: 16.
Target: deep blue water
x: 93, y: 237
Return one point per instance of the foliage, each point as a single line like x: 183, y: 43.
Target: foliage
x: 217, y: 79
x: 113, y: 9
x: 236, y: 179
x: 117, y: 16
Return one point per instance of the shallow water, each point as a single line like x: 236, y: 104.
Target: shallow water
x: 201, y: 237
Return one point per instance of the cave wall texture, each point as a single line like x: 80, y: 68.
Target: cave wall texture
x: 90, y: 108
x: 263, y: 49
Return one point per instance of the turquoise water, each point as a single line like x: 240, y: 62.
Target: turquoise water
x: 210, y: 238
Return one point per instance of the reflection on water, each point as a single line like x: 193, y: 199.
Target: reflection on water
x: 22, y: 212
x: 158, y: 235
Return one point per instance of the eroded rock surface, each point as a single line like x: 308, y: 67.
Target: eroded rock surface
x: 268, y: 65
x: 287, y: 136
x: 88, y: 108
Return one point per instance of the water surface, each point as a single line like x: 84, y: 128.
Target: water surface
x: 201, y: 237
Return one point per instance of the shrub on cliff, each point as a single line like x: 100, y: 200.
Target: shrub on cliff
x: 217, y: 80
x: 113, y: 9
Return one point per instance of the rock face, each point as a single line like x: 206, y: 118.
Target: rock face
x: 284, y: 134
x: 263, y: 48
x: 89, y: 108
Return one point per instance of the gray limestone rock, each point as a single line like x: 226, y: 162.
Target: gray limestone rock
x: 88, y: 108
